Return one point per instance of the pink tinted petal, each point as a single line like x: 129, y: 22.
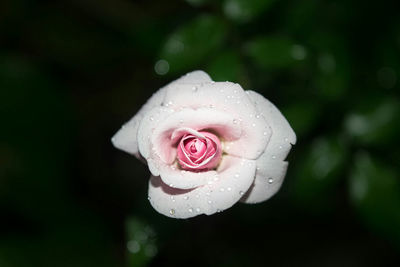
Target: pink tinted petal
x: 231, y: 99
x: 226, y: 188
x: 170, y: 127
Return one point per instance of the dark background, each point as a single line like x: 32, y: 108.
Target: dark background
x: 72, y: 72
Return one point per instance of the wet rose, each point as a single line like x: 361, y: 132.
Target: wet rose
x: 208, y: 145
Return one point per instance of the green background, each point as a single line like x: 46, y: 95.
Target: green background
x: 72, y: 72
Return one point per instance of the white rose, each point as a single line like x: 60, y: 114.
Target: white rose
x: 208, y: 145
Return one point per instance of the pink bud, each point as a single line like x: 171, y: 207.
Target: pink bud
x: 199, y: 154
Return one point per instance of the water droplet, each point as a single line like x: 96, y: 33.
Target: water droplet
x: 181, y: 121
x: 185, y: 197
x: 265, y: 133
x: 222, y: 90
x: 171, y: 185
x: 172, y: 198
x: 209, y: 182
x: 241, y: 193
x: 194, y: 88
x: 197, y: 196
x: 270, y: 180
x: 238, y: 102
x: 258, y: 168
x: 222, y: 189
x: 190, y: 210
x: 216, y: 178
x: 172, y: 211
x: 149, y: 198
x: 286, y: 140
x: 218, y: 210
x: 229, y: 189
x: 209, y: 202
x: 274, y: 157
x: 236, y: 175
x: 257, y: 116
x: 235, y: 91
x: 254, y: 125
x: 212, y: 82
x: 235, y: 121
x: 198, y: 209
x: 280, y: 147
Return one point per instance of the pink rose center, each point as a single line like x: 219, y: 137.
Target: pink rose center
x: 197, y: 153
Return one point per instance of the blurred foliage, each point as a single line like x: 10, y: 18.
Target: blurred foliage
x: 71, y: 72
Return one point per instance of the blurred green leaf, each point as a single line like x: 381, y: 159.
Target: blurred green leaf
x: 375, y: 192
x: 190, y: 45
x: 318, y: 173
x: 333, y: 65
x: 274, y: 52
x: 141, y: 244
x: 196, y: 3
x: 376, y: 124
x: 245, y: 10
x: 303, y: 116
x: 226, y: 67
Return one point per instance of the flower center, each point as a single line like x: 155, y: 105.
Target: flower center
x: 199, y: 152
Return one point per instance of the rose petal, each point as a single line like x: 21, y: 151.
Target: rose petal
x: 271, y: 164
x: 126, y: 138
x: 166, y: 121
x: 234, y: 178
x: 270, y: 174
x: 228, y: 98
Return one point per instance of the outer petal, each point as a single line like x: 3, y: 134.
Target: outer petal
x: 126, y: 138
x: 234, y: 178
x: 229, y: 98
x: 271, y: 167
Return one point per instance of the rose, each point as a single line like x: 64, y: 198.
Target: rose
x: 208, y: 145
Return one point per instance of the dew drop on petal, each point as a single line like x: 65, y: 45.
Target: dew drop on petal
x: 209, y: 202
x: 235, y: 121
x: 194, y: 88
x: 190, y: 210
x: 198, y: 209
x: 270, y: 180
x: 229, y: 189
x: 222, y: 189
x: 274, y: 157
x: 172, y: 211
x: 236, y: 175
x: 185, y: 197
x: 241, y: 193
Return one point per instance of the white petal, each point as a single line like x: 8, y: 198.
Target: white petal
x: 270, y: 174
x: 283, y: 136
x: 271, y: 167
x: 126, y: 138
x: 235, y: 177
x: 197, y: 76
x: 231, y: 99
